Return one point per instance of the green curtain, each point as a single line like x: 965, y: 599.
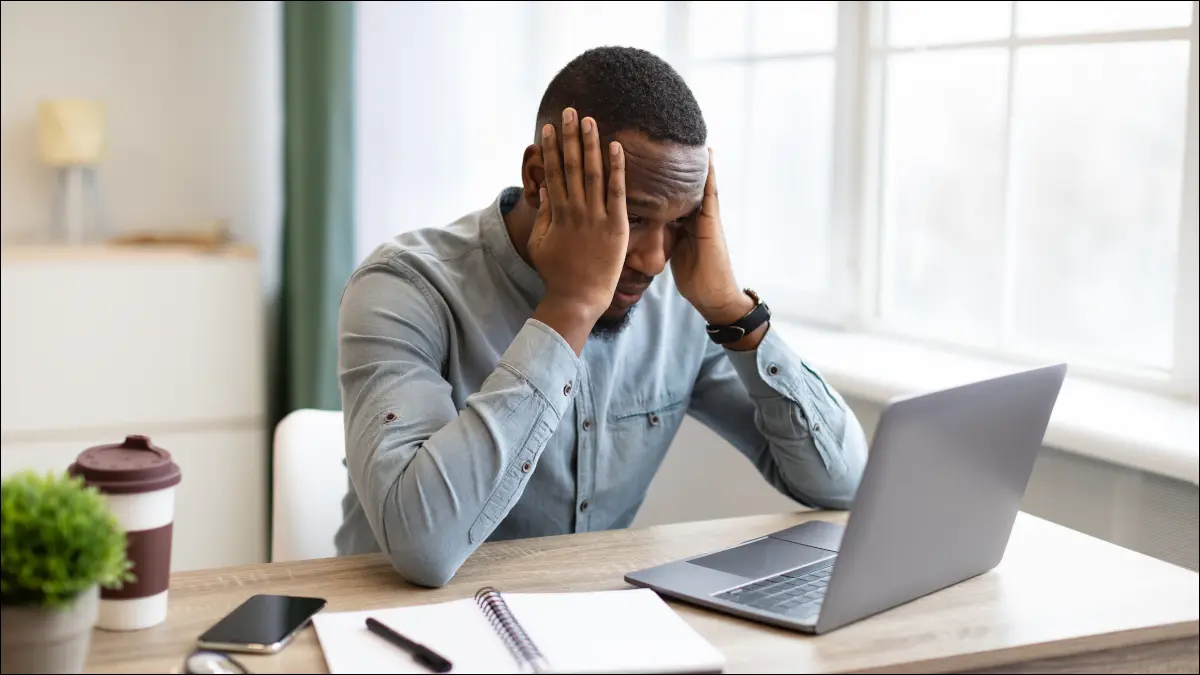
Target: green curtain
x: 318, y: 228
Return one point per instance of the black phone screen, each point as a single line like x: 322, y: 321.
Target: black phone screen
x: 263, y: 620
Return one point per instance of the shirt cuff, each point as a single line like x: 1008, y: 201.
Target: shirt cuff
x: 765, y: 370
x: 541, y: 356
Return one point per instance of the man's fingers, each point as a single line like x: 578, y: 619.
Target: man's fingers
x: 593, y: 166
x: 617, y: 215
x: 572, y: 161
x: 710, y: 206
x: 552, y: 162
x: 710, y: 187
x: 545, y: 212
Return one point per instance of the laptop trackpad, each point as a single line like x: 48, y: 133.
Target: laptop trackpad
x: 762, y: 558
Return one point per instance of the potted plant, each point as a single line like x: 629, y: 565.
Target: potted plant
x: 59, y: 544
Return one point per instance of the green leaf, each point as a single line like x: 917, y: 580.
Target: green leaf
x: 58, y: 538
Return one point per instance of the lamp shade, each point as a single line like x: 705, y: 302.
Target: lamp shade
x: 71, y: 132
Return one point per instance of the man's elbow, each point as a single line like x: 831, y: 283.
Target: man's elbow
x: 422, y: 568
x: 839, y: 499
x: 422, y: 552
x: 839, y: 489
x: 853, y: 454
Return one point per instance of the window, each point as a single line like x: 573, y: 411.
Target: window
x: 447, y: 96
x: 1010, y: 178
x: 1015, y: 179
x: 764, y: 74
x: 1032, y: 177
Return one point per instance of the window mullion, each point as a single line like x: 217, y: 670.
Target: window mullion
x: 1008, y: 228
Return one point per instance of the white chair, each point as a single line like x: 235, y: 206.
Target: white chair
x: 309, y: 483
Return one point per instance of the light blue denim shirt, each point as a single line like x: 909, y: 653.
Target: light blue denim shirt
x: 468, y: 421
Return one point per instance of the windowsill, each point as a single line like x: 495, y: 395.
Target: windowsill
x: 1114, y: 424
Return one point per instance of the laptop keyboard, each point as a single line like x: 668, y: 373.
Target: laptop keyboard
x: 790, y: 593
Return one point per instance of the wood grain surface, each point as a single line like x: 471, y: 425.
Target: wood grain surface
x: 1059, y: 602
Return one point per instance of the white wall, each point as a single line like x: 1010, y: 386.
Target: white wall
x: 448, y: 95
x: 704, y: 477
x: 192, y: 90
x: 194, y: 98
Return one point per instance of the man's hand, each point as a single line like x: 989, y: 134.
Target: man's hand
x: 581, y: 233
x: 703, y: 272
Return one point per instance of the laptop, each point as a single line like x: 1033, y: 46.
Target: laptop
x: 941, y: 490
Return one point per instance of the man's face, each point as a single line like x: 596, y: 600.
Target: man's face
x: 664, y: 184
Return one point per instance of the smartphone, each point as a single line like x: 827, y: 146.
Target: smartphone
x: 263, y: 624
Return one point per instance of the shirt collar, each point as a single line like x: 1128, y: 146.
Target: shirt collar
x: 495, y: 237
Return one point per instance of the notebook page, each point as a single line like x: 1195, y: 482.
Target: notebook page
x: 457, y: 630
x: 625, y: 631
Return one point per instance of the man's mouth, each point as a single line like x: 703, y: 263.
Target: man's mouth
x: 628, y: 294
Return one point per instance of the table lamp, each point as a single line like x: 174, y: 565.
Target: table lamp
x: 71, y: 139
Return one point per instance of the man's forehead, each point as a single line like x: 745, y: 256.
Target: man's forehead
x: 659, y: 174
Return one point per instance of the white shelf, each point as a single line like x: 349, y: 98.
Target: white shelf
x: 100, y: 342
x: 24, y: 253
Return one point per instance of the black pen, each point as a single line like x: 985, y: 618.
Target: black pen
x: 422, y: 654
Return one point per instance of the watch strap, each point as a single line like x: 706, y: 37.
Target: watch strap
x: 739, y: 329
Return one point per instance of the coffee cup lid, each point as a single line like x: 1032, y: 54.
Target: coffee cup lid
x: 130, y: 467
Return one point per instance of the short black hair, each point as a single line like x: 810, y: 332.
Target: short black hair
x: 626, y: 89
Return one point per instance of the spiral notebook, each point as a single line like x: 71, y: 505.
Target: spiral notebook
x: 625, y: 631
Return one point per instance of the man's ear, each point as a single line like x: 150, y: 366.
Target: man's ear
x: 533, y: 175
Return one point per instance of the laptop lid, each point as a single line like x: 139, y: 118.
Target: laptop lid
x: 941, y: 490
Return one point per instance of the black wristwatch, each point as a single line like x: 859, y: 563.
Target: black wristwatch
x: 739, y: 329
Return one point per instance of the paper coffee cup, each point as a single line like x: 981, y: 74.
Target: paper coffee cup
x: 138, y: 479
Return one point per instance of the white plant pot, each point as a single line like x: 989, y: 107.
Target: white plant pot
x: 43, y: 640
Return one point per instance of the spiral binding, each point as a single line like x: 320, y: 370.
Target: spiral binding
x: 509, y: 629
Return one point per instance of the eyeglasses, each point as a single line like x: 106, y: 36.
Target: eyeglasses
x: 212, y: 663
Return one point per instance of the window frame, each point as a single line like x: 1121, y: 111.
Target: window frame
x: 860, y: 84
x: 789, y: 304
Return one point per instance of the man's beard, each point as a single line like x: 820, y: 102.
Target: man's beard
x: 609, y: 328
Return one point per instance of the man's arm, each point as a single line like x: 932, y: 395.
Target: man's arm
x: 777, y: 411
x: 435, y: 481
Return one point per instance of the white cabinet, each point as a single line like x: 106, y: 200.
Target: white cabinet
x: 102, y: 342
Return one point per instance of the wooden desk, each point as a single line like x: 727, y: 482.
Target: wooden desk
x: 1059, y: 602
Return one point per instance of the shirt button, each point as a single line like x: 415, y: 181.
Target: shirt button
x: 567, y: 389
x: 583, y: 506
x: 587, y: 424
x: 527, y: 466
x: 773, y: 369
x: 817, y: 426
x: 653, y: 419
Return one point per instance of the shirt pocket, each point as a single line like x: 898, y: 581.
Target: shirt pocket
x: 660, y: 416
x: 643, y: 431
x: 639, y: 435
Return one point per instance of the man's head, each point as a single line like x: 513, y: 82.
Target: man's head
x: 639, y: 100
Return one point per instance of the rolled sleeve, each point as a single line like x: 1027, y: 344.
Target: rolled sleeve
x: 773, y: 370
x: 780, y: 412
x: 433, y: 477
x: 543, y: 358
x: 767, y: 371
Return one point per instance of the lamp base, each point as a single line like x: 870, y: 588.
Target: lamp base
x: 78, y: 216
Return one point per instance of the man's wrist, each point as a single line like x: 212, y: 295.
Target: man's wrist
x: 732, y: 315
x: 571, y: 320
x: 727, y: 312
x: 751, y: 340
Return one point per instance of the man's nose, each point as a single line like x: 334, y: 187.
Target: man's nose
x: 647, y: 250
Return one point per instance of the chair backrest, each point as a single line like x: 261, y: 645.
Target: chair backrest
x: 309, y: 484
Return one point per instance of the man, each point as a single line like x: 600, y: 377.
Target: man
x: 522, y: 371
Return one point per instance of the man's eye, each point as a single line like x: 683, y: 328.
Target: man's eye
x: 635, y: 220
